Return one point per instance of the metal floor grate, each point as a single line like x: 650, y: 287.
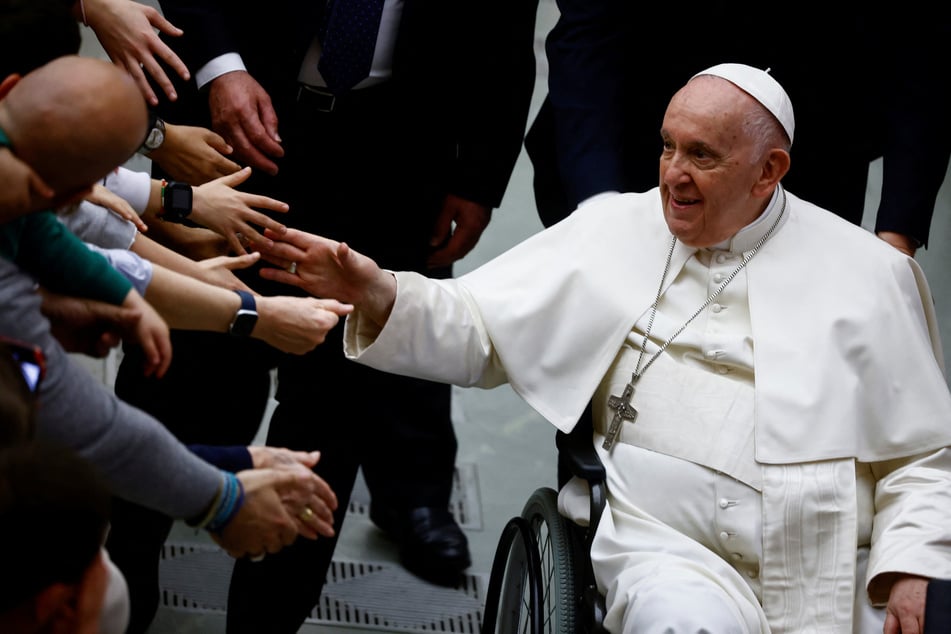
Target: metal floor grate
x: 194, y: 577
x: 386, y: 596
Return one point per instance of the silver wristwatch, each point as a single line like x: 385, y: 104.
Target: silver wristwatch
x: 156, y: 135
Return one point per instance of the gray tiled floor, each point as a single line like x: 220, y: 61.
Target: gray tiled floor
x: 511, y: 447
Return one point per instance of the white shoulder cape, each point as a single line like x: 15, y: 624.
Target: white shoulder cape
x: 848, y: 361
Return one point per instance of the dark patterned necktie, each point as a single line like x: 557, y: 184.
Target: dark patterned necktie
x: 347, y: 35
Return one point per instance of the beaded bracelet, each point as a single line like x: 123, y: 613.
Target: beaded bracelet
x: 225, y: 506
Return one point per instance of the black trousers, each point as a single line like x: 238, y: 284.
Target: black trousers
x: 364, y: 173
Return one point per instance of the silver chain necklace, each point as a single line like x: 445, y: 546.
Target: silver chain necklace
x: 623, y: 410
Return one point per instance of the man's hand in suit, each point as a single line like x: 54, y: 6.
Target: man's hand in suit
x: 458, y: 227
x: 242, y: 113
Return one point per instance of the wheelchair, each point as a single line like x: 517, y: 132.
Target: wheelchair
x: 541, y: 579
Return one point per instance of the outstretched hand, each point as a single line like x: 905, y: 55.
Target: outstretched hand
x: 232, y: 214
x: 151, y: 332
x: 321, y: 501
x: 88, y: 326
x: 116, y: 204
x: 327, y: 268
x: 266, y: 523
x: 194, y: 154
x: 297, y: 324
x: 219, y: 270
x: 127, y: 33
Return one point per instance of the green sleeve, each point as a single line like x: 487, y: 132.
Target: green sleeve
x: 61, y: 262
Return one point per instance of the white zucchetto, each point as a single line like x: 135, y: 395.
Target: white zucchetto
x: 762, y: 87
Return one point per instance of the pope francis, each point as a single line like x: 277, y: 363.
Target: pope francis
x: 767, y: 380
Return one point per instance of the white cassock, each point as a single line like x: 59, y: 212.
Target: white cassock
x: 807, y: 399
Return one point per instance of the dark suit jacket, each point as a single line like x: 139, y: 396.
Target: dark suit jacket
x: 938, y: 607
x: 613, y: 66
x: 862, y: 85
x: 467, y: 73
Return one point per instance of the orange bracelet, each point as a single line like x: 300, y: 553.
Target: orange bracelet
x: 162, y: 199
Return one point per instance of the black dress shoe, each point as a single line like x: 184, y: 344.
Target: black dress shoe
x: 432, y: 545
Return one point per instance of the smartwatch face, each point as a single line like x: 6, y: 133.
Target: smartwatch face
x: 179, y: 198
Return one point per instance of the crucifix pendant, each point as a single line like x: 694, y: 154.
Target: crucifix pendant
x: 623, y: 410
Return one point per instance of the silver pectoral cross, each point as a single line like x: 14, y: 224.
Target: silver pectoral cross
x: 623, y: 410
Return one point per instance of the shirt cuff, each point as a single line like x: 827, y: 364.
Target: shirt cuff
x: 133, y: 187
x: 227, y: 63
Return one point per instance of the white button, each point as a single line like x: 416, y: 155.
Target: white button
x: 752, y: 574
x: 722, y: 369
x: 712, y: 354
x: 736, y: 556
x: 718, y: 277
x: 722, y: 257
x: 716, y: 308
x: 724, y: 503
x: 724, y: 535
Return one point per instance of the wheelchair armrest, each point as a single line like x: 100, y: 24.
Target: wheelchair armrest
x: 578, y: 454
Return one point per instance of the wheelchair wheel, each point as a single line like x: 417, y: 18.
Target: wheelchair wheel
x: 533, y: 576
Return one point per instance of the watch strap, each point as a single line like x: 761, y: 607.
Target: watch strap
x: 246, y: 317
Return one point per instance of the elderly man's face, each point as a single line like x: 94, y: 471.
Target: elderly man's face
x: 706, y: 167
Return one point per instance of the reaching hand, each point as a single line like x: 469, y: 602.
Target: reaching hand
x: 193, y: 154
x: 219, y: 270
x: 458, y: 228
x: 297, y: 324
x: 230, y: 213
x: 264, y: 524
x: 319, y: 517
x: 265, y: 457
x: 326, y: 268
x: 150, y: 332
x: 87, y: 326
x: 117, y: 205
x: 241, y: 111
x: 126, y: 31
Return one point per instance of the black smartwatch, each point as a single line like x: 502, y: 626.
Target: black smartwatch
x: 155, y: 136
x: 176, y: 202
x: 246, y: 316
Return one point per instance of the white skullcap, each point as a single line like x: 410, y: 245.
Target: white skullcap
x: 762, y: 87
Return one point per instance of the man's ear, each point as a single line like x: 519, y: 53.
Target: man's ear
x: 774, y: 168
x: 75, y: 196
x: 8, y: 83
x: 50, y: 603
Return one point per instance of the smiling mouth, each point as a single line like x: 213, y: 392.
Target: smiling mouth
x: 684, y: 202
